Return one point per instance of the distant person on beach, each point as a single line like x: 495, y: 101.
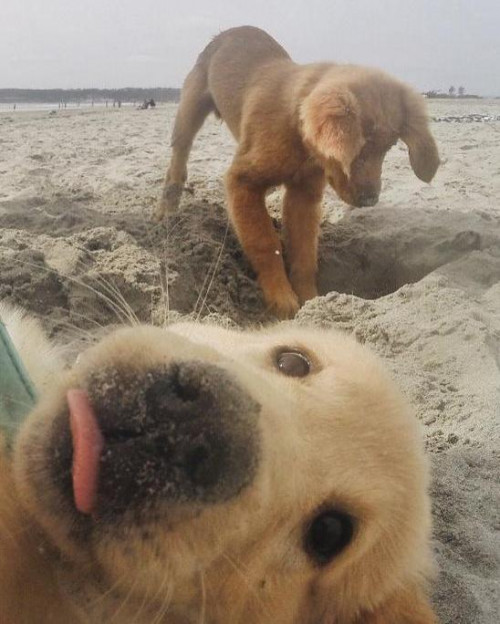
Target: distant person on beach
x: 147, y: 104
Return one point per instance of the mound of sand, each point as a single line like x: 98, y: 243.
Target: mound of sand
x: 417, y: 278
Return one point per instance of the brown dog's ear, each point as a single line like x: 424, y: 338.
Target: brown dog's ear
x: 404, y: 607
x: 424, y: 157
x: 331, y: 124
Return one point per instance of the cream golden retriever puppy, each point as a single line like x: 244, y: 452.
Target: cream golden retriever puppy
x: 199, y: 475
x: 297, y: 125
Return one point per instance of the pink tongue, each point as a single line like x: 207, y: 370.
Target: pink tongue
x: 87, y: 447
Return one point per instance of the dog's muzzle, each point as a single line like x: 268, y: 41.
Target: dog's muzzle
x: 183, y: 433
x: 365, y: 200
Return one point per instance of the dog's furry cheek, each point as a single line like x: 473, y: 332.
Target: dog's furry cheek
x: 408, y: 605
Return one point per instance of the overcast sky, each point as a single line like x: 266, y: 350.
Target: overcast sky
x: 117, y: 43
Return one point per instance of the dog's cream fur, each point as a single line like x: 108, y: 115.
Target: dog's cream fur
x: 341, y: 436
x: 297, y: 125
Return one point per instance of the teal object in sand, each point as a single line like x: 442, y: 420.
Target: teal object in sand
x: 17, y: 393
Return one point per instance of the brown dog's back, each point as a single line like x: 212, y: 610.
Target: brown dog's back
x: 228, y: 64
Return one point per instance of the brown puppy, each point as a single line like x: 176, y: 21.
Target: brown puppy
x: 198, y: 475
x: 297, y: 125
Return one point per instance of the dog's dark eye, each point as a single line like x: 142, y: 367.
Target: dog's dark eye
x: 293, y: 364
x: 327, y: 535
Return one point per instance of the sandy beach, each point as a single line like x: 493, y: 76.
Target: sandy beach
x: 417, y: 278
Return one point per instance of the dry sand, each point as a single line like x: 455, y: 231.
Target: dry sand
x: 417, y: 278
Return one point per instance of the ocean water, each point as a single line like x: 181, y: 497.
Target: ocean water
x: 48, y: 106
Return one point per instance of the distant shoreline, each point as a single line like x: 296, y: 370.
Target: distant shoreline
x: 98, y: 105
x: 434, y: 95
x: 87, y: 96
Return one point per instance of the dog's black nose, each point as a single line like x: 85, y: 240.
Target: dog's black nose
x: 366, y: 199
x: 184, y: 433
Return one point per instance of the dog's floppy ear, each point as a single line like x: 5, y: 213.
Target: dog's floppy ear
x: 331, y: 124
x: 403, y: 607
x: 424, y: 157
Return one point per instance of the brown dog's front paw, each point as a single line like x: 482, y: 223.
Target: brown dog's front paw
x: 159, y: 212
x: 305, y: 289
x: 280, y: 297
x: 285, y: 306
x: 169, y: 202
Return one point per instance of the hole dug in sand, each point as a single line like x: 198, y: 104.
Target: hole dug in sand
x: 370, y: 253
x: 373, y: 253
x: 192, y: 262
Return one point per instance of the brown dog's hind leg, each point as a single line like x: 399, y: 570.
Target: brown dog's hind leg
x: 301, y: 221
x: 196, y: 103
x: 260, y: 243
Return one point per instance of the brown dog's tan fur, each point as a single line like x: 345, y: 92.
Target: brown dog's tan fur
x: 297, y: 125
x: 342, y: 436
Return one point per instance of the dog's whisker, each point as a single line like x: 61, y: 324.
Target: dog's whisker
x: 14, y: 401
x: 77, y: 329
x: 244, y: 574
x: 122, y: 315
x: 164, y: 285
x: 162, y: 261
x: 109, y: 286
x: 164, y: 277
x: 123, y: 603
x: 54, y: 323
x: 167, y: 598
x: 78, y: 333
x: 214, y: 272
x: 208, y: 278
x: 109, y: 591
x: 116, y: 301
x: 203, y: 598
x: 113, y: 289
x: 142, y: 606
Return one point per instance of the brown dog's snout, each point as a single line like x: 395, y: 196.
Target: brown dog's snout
x: 187, y: 432
x: 366, y: 199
